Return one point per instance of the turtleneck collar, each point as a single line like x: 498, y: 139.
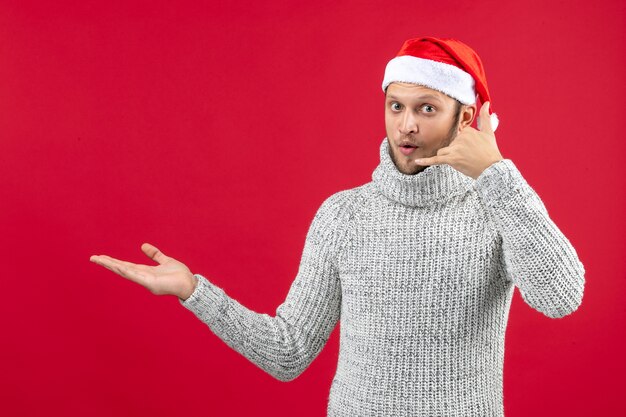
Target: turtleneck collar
x: 435, y: 184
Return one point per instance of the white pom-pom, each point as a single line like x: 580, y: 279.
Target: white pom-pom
x: 493, y: 118
x: 494, y: 121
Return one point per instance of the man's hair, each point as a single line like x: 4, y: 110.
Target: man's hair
x: 458, y: 109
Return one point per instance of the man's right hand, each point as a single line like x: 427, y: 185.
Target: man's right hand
x: 170, y: 277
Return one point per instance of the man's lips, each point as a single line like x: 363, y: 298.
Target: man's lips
x: 406, y: 148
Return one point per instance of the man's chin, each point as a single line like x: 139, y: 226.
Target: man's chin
x: 408, y: 165
x: 414, y: 169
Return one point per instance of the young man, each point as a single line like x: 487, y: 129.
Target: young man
x: 420, y: 264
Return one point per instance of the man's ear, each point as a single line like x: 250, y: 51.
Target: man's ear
x: 468, y: 112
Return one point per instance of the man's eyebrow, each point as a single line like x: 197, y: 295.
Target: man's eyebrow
x: 422, y: 97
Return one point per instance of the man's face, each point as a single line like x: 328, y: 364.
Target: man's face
x: 421, y: 117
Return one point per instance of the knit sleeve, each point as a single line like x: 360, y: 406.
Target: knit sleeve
x: 285, y: 344
x: 537, y: 257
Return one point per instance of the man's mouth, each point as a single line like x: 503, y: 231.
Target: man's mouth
x: 406, y: 149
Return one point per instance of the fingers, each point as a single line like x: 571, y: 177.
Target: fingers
x: 433, y: 160
x: 484, y: 120
x: 154, y: 253
x: 128, y: 270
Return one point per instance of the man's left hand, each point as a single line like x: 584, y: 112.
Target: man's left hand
x: 471, y: 151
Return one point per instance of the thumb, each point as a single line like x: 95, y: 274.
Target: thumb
x: 154, y: 253
x: 484, y: 121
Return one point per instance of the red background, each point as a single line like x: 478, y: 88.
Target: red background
x: 215, y: 131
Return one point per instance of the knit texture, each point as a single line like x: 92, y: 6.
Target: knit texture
x: 420, y: 270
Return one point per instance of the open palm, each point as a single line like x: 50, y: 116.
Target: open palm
x: 170, y: 277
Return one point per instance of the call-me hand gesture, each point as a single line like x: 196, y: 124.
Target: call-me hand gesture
x: 170, y: 277
x: 471, y: 151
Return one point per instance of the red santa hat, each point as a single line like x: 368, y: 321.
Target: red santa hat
x: 445, y: 65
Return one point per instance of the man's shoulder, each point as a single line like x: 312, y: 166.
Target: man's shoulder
x: 334, y: 216
x: 342, y: 204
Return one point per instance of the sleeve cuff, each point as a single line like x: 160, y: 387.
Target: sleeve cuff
x: 498, y: 182
x: 205, y: 301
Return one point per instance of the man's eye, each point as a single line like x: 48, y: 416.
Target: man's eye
x: 395, y: 106
x: 428, y: 108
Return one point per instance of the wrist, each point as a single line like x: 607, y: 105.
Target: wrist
x: 193, y: 283
x: 487, y: 165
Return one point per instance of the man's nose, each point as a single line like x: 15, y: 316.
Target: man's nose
x: 408, y: 123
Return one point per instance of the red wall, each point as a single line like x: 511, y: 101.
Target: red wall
x: 215, y: 132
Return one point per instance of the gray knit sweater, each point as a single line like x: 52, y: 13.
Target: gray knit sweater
x: 420, y: 270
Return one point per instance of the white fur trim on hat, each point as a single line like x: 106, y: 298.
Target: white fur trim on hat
x: 439, y: 76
